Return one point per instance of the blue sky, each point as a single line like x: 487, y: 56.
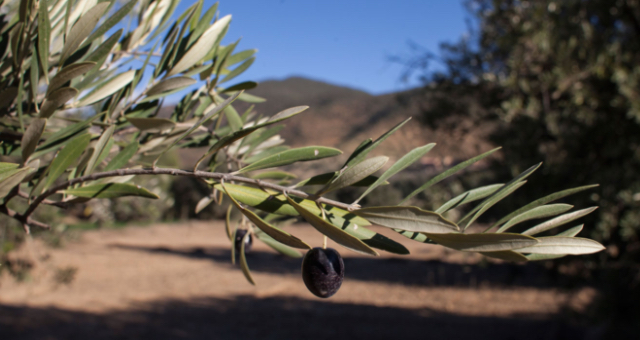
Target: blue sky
x: 346, y: 42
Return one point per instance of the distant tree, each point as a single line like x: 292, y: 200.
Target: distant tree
x: 562, y: 79
x: 80, y: 95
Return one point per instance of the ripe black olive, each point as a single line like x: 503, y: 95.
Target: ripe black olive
x: 322, y: 271
x: 238, y: 241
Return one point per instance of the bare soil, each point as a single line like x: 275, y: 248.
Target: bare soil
x: 176, y: 281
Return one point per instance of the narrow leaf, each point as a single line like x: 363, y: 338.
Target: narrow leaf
x: 67, y: 132
x: 550, y: 198
x: 206, y: 117
x: 336, y: 234
x: 122, y: 158
x: 303, y: 154
x: 516, y: 181
x: 558, y: 221
x: 171, y: 84
x: 362, y: 152
x: 100, y: 54
x: 240, y: 56
x: 66, y: 157
x: 279, y: 175
x: 568, y: 233
x: 203, y: 203
x: 483, y: 242
x: 469, y: 196
x: 357, y: 173
x: 4, y: 167
x: 493, y: 200
x: 55, y: 100
x: 408, y: 218
x: 67, y: 74
x: 227, y: 223
x: 99, y: 148
x: 560, y: 245
x: 31, y: 137
x: 249, y: 98
x: 110, y: 190
x: 398, y: 166
x: 152, y: 125
x: 44, y: 37
x: 107, y: 89
x: 539, y: 212
x: 233, y: 118
x: 233, y: 246
x: 10, y: 182
x: 253, y: 158
x: 243, y: 260
x: 247, y: 85
x: 111, y: 21
x: 238, y: 70
x: 277, y: 246
x: 280, y: 116
x: 82, y: 29
x: 201, y: 47
x: 447, y: 174
x: 202, y: 24
x: 571, y: 232
x: 325, y: 178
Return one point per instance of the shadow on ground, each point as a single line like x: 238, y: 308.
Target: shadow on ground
x: 390, y: 270
x: 246, y: 317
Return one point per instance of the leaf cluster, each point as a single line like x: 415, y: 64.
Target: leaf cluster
x: 81, y: 102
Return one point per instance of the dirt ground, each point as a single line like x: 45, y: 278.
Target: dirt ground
x: 176, y: 281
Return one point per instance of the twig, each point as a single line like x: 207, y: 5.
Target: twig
x: 22, y: 219
x: 186, y: 173
x: 62, y: 205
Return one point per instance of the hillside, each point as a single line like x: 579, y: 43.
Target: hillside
x: 343, y: 117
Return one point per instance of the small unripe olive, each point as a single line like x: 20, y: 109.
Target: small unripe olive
x: 322, y: 271
x: 238, y: 241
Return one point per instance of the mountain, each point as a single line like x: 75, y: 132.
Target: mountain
x: 343, y: 117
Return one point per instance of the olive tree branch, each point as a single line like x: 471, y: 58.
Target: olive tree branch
x: 20, y: 218
x: 187, y: 173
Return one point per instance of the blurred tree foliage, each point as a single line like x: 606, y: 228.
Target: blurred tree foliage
x: 560, y: 79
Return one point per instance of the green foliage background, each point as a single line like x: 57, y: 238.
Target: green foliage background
x: 561, y: 80
x: 559, y: 83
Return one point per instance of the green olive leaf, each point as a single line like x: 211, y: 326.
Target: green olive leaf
x: 243, y: 259
x: 110, y: 190
x: 483, y: 242
x: 469, y: 196
x: 336, y: 234
x: 55, y: 100
x: 558, y: 221
x: 277, y: 246
x: 309, y: 153
x: 356, y: 173
x: 561, y: 245
x: 538, y: 212
x: 447, y: 173
x: 68, y: 73
x: 66, y: 157
x: 31, y: 137
x: 408, y: 218
x: 398, y: 166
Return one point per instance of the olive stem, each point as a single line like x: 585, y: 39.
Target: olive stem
x: 324, y: 217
